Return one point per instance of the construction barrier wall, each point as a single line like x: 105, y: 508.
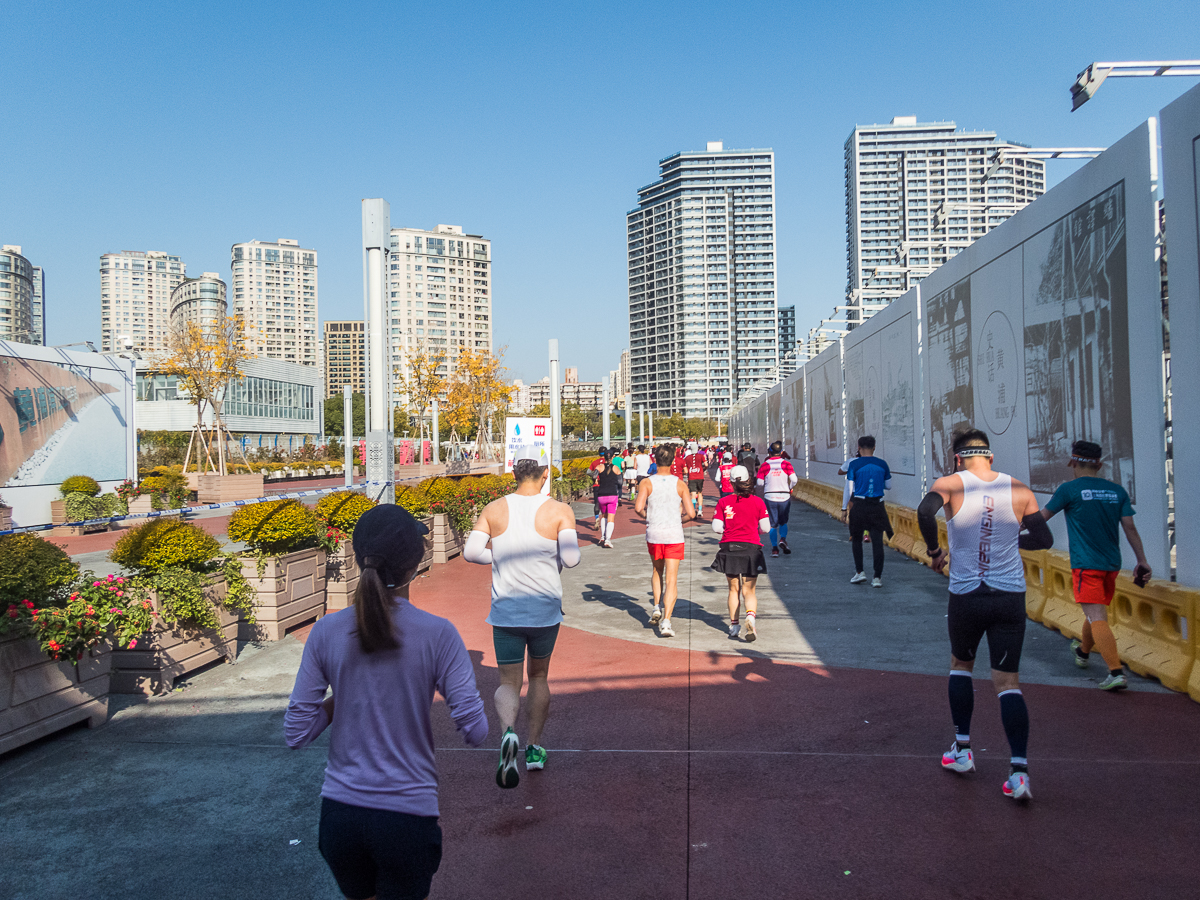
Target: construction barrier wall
x: 1155, y: 626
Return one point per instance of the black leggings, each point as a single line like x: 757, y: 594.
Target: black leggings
x: 862, y: 517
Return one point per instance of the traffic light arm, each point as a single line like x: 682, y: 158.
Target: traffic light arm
x: 1093, y: 76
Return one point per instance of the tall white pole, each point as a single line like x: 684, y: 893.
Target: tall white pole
x: 628, y: 418
x: 348, y: 432
x: 555, y: 409
x: 641, y: 424
x: 607, y: 434
x: 650, y: 423
x: 381, y: 453
x: 437, y: 435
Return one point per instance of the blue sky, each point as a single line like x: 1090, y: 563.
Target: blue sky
x: 190, y: 127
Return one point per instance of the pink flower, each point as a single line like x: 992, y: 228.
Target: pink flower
x: 133, y: 643
x: 120, y: 593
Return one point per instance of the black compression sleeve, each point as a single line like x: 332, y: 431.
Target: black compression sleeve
x: 927, y: 519
x: 1039, y: 537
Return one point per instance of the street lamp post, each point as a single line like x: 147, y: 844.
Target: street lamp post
x: 1090, y: 79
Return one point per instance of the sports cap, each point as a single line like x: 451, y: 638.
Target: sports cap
x: 388, y: 538
x: 739, y: 473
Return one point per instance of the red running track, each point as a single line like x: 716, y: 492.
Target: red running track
x: 675, y: 774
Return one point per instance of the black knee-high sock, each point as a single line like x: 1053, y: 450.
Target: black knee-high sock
x: 1015, y: 716
x: 962, y: 704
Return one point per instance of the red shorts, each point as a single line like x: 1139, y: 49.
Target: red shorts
x: 1094, y: 586
x: 665, y: 551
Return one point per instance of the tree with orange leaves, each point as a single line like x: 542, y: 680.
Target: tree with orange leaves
x: 206, y: 359
x: 478, y: 388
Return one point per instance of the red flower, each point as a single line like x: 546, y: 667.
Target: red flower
x: 13, y: 612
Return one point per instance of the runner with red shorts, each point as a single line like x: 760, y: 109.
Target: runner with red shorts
x: 662, y: 499
x: 1094, y: 507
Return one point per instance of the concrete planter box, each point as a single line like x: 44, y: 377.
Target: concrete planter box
x: 168, y: 652
x: 447, y: 543
x: 143, y: 503
x: 291, y: 591
x: 341, y: 578
x: 5, y: 518
x: 58, y: 517
x: 223, y: 488
x: 39, y: 696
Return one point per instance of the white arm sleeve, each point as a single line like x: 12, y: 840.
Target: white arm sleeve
x: 718, y: 525
x: 846, y: 493
x: 568, y: 548
x: 764, y: 524
x: 793, y: 479
x: 887, y: 485
x: 476, y: 549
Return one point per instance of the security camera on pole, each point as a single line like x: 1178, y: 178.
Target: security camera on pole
x: 381, y: 452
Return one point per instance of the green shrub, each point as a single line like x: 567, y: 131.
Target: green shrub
x: 343, y: 509
x: 276, y: 526
x: 166, y: 544
x: 33, y: 569
x: 80, y: 484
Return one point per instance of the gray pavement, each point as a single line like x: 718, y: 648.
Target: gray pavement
x: 808, y: 610
x: 194, y: 794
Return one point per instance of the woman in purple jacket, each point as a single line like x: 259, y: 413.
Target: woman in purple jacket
x: 383, y: 658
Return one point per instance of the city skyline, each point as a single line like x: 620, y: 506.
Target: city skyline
x: 523, y: 134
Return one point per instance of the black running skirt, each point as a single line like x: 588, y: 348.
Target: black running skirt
x: 737, y: 558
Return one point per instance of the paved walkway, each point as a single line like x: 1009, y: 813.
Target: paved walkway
x: 804, y: 765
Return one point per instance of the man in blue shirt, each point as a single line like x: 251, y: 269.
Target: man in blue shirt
x: 868, y: 477
x: 1095, y: 507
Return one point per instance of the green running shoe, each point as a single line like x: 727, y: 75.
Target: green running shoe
x: 507, y: 775
x: 535, y: 758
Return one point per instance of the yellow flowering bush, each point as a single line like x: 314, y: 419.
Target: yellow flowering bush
x: 276, y: 526
x: 343, y: 509
x: 164, y: 544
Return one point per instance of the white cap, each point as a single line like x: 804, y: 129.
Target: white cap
x: 537, y: 454
x: 739, y: 473
x: 728, y: 457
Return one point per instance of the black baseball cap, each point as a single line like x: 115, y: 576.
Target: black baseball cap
x: 388, y: 538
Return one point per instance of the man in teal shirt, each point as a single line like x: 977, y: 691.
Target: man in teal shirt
x: 1094, y: 508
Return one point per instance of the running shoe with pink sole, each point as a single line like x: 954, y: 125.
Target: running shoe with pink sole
x: 1017, y: 786
x: 958, y: 759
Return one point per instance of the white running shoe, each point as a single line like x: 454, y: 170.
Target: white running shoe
x: 665, y: 629
x: 876, y: 582
x: 749, y: 632
x: 734, y: 628
x: 859, y: 578
x: 655, y: 615
x: 958, y: 760
x: 1017, y: 786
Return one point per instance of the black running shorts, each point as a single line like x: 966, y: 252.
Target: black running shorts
x: 378, y: 852
x: 998, y: 614
x: 696, y: 485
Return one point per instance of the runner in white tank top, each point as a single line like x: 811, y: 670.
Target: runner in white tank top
x: 663, y: 499
x: 985, y: 512
x: 532, y: 538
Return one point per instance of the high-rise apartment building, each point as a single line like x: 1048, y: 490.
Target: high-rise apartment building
x: 135, y: 299
x: 439, y: 296
x: 618, y: 380
x: 199, y: 300
x: 916, y: 195
x: 787, y: 341
x: 21, y: 298
x: 702, y: 313
x: 345, y: 344
x: 275, y: 293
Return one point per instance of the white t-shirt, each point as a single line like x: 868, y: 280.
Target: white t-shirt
x: 643, y: 464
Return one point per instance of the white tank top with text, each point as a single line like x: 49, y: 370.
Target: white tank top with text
x: 983, y: 537
x: 663, y: 525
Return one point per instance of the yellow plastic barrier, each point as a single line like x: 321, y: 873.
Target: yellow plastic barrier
x: 1155, y: 626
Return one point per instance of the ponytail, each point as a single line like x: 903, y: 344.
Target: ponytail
x: 372, y: 609
x: 743, y: 489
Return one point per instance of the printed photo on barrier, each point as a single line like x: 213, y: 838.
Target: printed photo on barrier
x: 59, y: 419
x: 792, y: 416
x: 948, y: 371
x: 824, y: 382
x: 1076, y: 375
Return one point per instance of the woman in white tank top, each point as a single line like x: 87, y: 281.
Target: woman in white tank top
x: 663, y: 499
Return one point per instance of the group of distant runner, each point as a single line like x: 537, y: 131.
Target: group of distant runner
x: 384, y: 658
